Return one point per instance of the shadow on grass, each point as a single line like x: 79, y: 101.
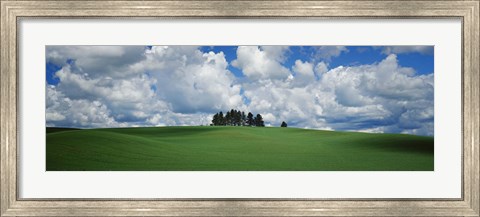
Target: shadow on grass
x: 59, y: 129
x: 402, y: 143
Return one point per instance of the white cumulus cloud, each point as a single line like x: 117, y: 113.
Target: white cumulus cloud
x: 157, y: 86
x: 260, y: 63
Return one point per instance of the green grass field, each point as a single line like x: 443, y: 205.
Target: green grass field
x: 234, y: 149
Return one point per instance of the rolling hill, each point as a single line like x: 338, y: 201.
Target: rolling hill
x: 234, y: 149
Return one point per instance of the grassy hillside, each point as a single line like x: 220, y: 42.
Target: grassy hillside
x: 59, y: 129
x: 235, y: 149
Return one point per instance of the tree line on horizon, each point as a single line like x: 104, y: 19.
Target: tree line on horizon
x: 237, y: 118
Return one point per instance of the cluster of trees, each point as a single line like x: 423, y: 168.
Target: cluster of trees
x: 237, y: 118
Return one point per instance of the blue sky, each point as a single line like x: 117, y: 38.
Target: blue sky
x: 352, y: 88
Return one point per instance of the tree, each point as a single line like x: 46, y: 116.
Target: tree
x: 238, y: 118
x: 221, y: 119
x: 259, y: 121
x: 283, y: 124
x: 228, y: 119
x: 215, y: 120
x: 232, y: 117
x: 250, y: 121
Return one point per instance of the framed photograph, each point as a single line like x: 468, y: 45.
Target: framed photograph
x: 239, y: 108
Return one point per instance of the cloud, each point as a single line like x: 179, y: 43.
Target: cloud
x: 296, y: 105
x: 167, y: 86
x: 376, y: 95
x: 97, y: 61
x: 321, y: 68
x: 328, y: 52
x: 382, y: 97
x: 426, y: 50
x: 277, y: 52
x: 192, y: 81
x: 303, y: 72
x: 63, y: 111
x: 261, y: 62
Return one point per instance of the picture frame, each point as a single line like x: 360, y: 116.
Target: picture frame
x: 13, y: 11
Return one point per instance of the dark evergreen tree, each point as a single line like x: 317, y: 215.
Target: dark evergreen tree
x: 250, y: 120
x: 238, y: 118
x: 283, y: 124
x: 228, y: 118
x: 232, y: 117
x: 215, y: 120
x: 259, y: 121
x: 221, y: 119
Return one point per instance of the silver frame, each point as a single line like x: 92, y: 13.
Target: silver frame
x: 11, y: 11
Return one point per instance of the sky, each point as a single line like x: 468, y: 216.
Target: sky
x: 380, y: 89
